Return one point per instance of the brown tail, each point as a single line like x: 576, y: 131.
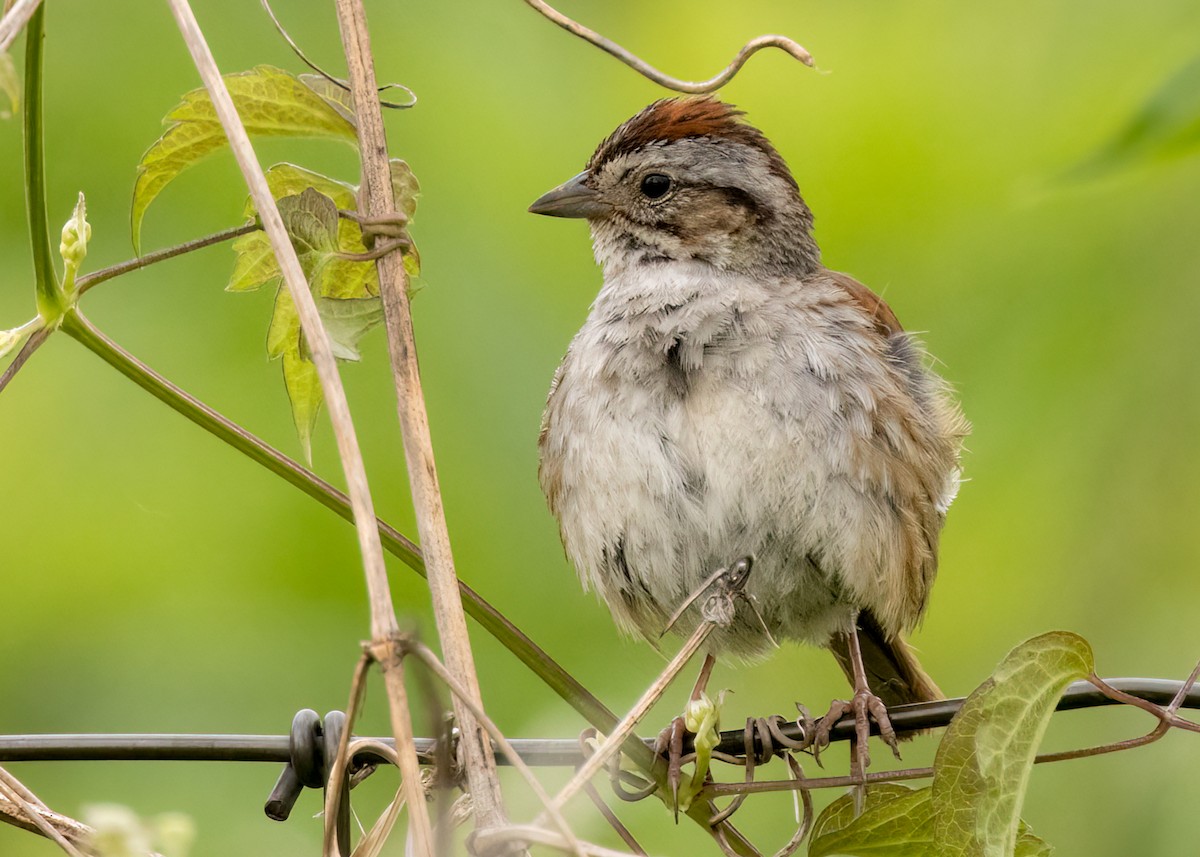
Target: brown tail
x: 893, y: 671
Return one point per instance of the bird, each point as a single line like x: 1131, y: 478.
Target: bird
x: 728, y: 396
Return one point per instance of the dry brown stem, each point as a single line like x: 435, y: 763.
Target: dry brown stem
x: 384, y: 628
x: 378, y: 202
x: 15, y: 19
x: 22, y: 808
x: 613, y: 741
x: 439, y: 669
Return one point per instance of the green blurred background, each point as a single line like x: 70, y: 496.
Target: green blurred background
x: 155, y: 580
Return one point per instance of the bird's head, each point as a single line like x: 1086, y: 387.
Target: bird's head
x: 687, y: 180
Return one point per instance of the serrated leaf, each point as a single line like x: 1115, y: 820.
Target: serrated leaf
x: 311, y: 220
x: 896, y: 822
x: 405, y: 187
x: 299, y: 373
x: 306, y: 397
x: 346, y: 320
x: 1166, y: 126
x: 343, y: 278
x: 254, y: 264
x: 286, y: 179
x: 1029, y: 845
x: 983, y: 763
x: 10, y: 85
x: 271, y: 103
x: 337, y: 97
x: 283, y: 334
x: 347, y: 280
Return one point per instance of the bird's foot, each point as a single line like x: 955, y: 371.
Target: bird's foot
x: 701, y: 720
x: 669, y: 745
x: 865, y: 706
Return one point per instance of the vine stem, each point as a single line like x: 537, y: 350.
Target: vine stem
x: 383, y: 618
x: 378, y: 201
x: 49, y: 292
x: 32, y: 344
x: 789, y: 46
x: 89, y: 281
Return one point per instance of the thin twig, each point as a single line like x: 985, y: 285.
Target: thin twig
x: 389, y: 654
x: 338, y: 82
x: 383, y: 617
x: 17, y: 796
x: 373, y: 840
x: 337, y: 774
x: 1180, y: 697
x: 74, y: 831
x: 728, y: 585
x: 439, y: 669
x: 662, y: 79
x: 716, y: 790
x: 84, y: 283
x: 1167, y: 718
x: 612, y: 742
x: 13, y: 22
x: 378, y: 201
x: 615, y: 823
x: 32, y: 344
x: 487, y: 840
x: 21, y: 789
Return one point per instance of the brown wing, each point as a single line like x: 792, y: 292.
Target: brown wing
x: 915, y: 448
x: 875, y: 306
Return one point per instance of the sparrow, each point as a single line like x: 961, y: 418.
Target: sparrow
x: 730, y: 396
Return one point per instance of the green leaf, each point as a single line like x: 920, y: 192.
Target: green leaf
x: 983, y: 763
x: 304, y: 393
x: 311, y: 220
x: 254, y: 263
x: 405, y: 187
x: 346, y: 292
x: 271, y: 103
x: 1029, y: 845
x: 341, y: 278
x: 299, y: 373
x: 346, y: 320
x: 896, y: 822
x: 290, y: 180
x: 283, y: 334
x: 10, y: 85
x: 1166, y: 126
x: 337, y: 97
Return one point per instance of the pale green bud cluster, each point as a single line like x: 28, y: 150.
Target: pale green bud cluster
x: 76, y: 233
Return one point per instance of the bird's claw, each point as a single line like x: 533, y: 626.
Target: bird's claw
x: 669, y: 745
x: 865, y: 707
x: 701, y: 721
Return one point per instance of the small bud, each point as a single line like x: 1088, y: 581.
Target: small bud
x: 75, y: 236
x: 697, y: 712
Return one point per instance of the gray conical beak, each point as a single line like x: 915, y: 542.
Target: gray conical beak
x: 571, y: 199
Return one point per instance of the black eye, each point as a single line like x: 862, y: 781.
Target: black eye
x: 655, y: 185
